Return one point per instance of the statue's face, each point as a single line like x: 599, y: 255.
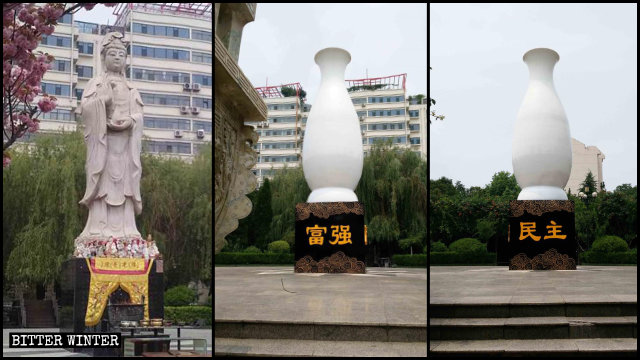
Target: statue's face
x: 115, y: 59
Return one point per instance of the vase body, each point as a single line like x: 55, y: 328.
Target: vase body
x: 541, y: 140
x: 332, y: 149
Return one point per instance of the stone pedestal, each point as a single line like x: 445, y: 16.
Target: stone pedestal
x: 541, y: 236
x: 330, y: 238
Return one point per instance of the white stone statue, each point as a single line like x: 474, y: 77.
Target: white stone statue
x: 112, y: 111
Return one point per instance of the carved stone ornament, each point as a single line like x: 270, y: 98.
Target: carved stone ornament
x: 236, y: 101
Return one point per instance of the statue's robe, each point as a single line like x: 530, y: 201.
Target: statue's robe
x: 113, y: 168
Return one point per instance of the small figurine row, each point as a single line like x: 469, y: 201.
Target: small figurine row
x: 116, y: 248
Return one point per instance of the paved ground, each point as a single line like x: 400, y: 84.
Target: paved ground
x: 381, y: 296
x: 45, y: 353
x: 495, y: 284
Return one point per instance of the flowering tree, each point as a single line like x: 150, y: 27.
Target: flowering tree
x: 22, y: 70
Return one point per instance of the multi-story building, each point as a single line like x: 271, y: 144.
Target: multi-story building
x: 584, y: 159
x: 169, y: 62
x: 384, y: 110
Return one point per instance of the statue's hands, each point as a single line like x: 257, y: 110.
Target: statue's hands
x: 120, y: 124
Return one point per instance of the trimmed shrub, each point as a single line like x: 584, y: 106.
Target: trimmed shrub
x: 252, y: 249
x: 619, y: 257
x: 438, y: 247
x: 417, y: 260
x: 467, y: 245
x: 179, y: 296
x: 278, y: 247
x: 468, y: 258
x: 253, y: 258
x: 188, y: 314
x: 609, y: 244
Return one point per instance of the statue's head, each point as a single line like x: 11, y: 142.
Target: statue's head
x: 114, y: 52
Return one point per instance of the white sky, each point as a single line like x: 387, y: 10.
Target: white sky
x: 479, y: 80
x: 386, y: 39
x: 100, y: 14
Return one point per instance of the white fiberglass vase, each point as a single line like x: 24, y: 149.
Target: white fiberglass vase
x: 541, y: 139
x: 332, y: 148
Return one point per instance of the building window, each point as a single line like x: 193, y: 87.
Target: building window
x: 55, y: 89
x: 414, y: 127
x: 65, y: 19
x: 160, y: 53
x: 204, y: 80
x: 84, y: 71
x: 415, y: 141
x: 203, y: 103
x: 87, y: 28
x: 201, y: 57
x: 202, y: 125
x: 79, y: 93
x: 159, y: 30
x: 61, y: 65
x: 414, y: 113
x: 201, y: 35
x: 166, y: 123
x: 85, y: 47
x: 53, y: 40
x: 168, y: 147
x: 163, y: 76
x: 161, y: 99
x: 57, y: 114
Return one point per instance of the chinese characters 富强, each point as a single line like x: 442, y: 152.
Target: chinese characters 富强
x: 341, y: 235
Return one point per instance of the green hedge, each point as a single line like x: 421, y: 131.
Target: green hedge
x: 438, y: 246
x: 468, y: 245
x: 280, y: 246
x: 466, y: 258
x: 230, y: 258
x: 418, y: 260
x: 179, y: 296
x: 188, y: 314
x: 618, y: 257
x: 253, y: 250
x: 609, y: 244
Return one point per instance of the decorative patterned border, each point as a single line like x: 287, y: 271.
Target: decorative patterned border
x: 324, y: 210
x: 539, y: 207
x: 230, y: 65
x: 550, y: 260
x: 336, y: 263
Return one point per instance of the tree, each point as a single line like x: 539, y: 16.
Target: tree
x: 263, y: 216
x: 22, y: 69
x: 588, y: 186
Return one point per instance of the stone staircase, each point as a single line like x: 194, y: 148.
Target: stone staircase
x: 40, y: 314
x: 605, y: 328
x: 271, y: 338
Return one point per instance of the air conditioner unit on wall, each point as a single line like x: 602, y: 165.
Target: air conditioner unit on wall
x: 196, y: 87
x: 177, y: 133
x: 187, y: 86
x: 266, y: 124
x: 361, y: 118
x: 195, y: 110
x: 364, y: 105
x: 184, y: 109
x: 200, y: 133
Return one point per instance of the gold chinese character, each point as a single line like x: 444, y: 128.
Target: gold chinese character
x: 341, y: 237
x: 316, y: 237
x: 527, y: 229
x: 554, y: 230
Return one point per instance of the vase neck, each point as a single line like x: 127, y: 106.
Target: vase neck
x: 333, y: 63
x: 541, y: 63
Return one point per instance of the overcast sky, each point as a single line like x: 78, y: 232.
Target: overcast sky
x: 386, y: 39
x: 100, y: 14
x: 479, y: 80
